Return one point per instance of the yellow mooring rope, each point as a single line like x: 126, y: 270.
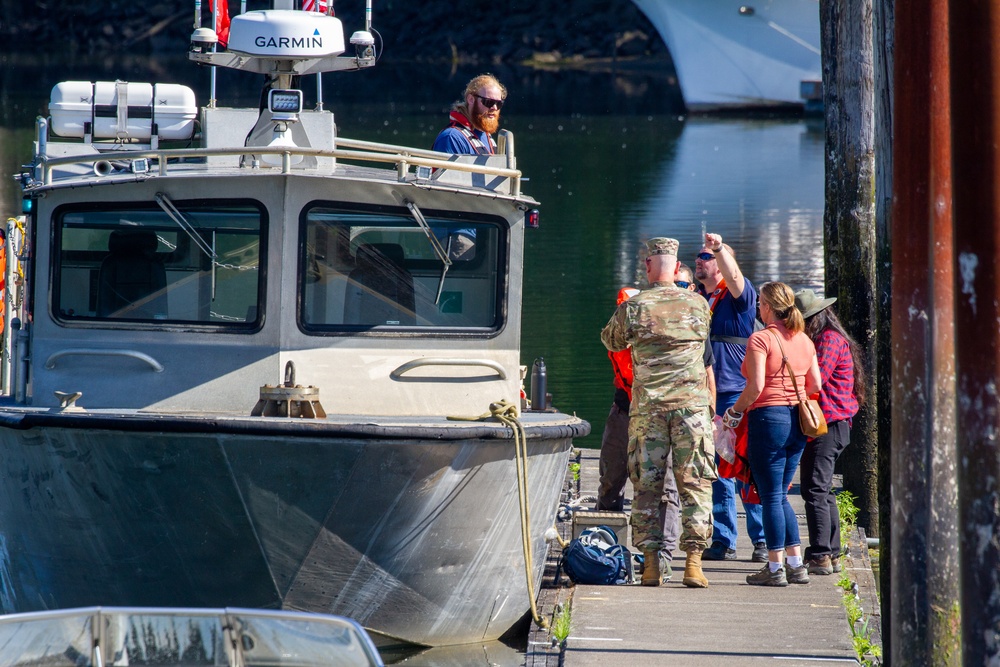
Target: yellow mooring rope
x: 506, y: 413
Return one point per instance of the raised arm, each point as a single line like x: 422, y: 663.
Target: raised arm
x: 727, y: 264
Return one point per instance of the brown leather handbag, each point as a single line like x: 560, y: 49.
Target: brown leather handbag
x: 811, y: 419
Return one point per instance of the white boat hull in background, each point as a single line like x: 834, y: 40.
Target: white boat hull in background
x: 731, y: 54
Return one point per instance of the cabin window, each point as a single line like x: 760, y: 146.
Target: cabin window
x: 137, y: 264
x: 376, y: 271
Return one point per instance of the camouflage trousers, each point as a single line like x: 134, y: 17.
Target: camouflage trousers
x: 686, y: 436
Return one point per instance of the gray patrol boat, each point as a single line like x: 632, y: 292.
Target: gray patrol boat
x: 236, y: 341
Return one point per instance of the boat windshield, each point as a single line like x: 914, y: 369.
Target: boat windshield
x: 108, y: 636
x: 136, y: 264
x: 372, y: 271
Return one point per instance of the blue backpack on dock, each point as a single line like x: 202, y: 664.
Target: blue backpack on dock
x: 596, y: 558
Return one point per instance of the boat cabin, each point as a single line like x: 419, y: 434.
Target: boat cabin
x: 183, y: 272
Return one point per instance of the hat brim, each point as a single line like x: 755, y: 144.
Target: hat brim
x: 816, y: 306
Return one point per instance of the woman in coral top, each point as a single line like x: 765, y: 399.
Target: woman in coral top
x: 775, y: 441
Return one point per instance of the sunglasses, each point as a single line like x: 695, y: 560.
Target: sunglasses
x: 682, y: 284
x: 706, y: 256
x: 490, y: 103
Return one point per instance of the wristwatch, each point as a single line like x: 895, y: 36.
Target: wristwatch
x: 731, y: 418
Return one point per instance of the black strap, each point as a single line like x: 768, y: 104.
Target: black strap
x: 728, y: 339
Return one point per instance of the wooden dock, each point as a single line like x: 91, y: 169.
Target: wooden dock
x: 675, y: 625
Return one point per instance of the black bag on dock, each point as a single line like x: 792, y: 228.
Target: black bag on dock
x: 596, y: 558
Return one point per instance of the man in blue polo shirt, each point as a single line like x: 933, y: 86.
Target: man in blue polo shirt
x: 471, y: 123
x: 733, y: 302
x: 474, y: 118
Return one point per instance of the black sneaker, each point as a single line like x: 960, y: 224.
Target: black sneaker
x: 759, y: 553
x: 718, y: 552
x: 764, y: 577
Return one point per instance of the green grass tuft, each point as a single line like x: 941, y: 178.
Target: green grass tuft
x: 561, y: 623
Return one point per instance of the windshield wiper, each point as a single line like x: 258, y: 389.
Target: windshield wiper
x: 168, y: 207
x: 441, y: 252
x: 435, y: 242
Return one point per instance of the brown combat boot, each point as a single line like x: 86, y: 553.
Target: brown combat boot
x: 693, y: 576
x: 651, y: 568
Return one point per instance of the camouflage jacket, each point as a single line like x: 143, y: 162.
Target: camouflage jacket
x: 666, y: 328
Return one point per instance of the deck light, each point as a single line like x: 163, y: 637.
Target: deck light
x: 531, y: 218
x: 285, y: 107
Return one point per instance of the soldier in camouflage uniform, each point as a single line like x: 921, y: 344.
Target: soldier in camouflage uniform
x: 666, y: 327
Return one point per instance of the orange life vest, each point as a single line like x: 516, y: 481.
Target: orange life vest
x: 718, y: 295
x: 621, y: 361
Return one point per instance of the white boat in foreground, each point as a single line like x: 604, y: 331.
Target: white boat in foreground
x: 235, y: 357
x: 731, y: 54
x: 110, y: 636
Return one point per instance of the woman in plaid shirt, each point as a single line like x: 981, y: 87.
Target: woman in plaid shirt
x: 843, y: 391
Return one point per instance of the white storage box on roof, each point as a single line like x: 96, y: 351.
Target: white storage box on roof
x: 123, y: 110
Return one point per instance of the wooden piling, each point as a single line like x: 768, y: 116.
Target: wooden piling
x: 975, y: 114
x: 883, y: 34
x: 849, y: 218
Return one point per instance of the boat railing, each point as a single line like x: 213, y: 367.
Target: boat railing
x: 403, y: 158
x: 506, y: 148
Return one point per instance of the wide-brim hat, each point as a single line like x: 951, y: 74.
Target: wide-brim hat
x: 810, y: 304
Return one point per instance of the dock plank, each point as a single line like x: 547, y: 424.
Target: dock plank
x: 676, y: 625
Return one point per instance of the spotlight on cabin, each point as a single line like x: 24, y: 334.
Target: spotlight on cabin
x: 285, y: 107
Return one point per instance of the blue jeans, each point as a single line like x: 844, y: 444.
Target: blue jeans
x: 724, y: 492
x: 775, y: 446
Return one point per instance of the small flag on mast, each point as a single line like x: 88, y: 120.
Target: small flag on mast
x: 320, y: 6
x: 221, y: 21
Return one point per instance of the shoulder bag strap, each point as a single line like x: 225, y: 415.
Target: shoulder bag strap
x: 784, y: 362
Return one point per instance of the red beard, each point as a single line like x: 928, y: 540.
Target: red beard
x: 485, y: 123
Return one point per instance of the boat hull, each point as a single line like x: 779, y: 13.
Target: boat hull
x: 413, y: 531
x: 730, y: 55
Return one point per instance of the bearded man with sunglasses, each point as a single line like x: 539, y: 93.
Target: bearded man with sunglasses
x: 732, y: 299
x: 473, y: 119
x: 471, y: 122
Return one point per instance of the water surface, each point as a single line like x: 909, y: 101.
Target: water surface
x: 605, y: 153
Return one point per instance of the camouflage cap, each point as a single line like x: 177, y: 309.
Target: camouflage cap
x: 662, y: 246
